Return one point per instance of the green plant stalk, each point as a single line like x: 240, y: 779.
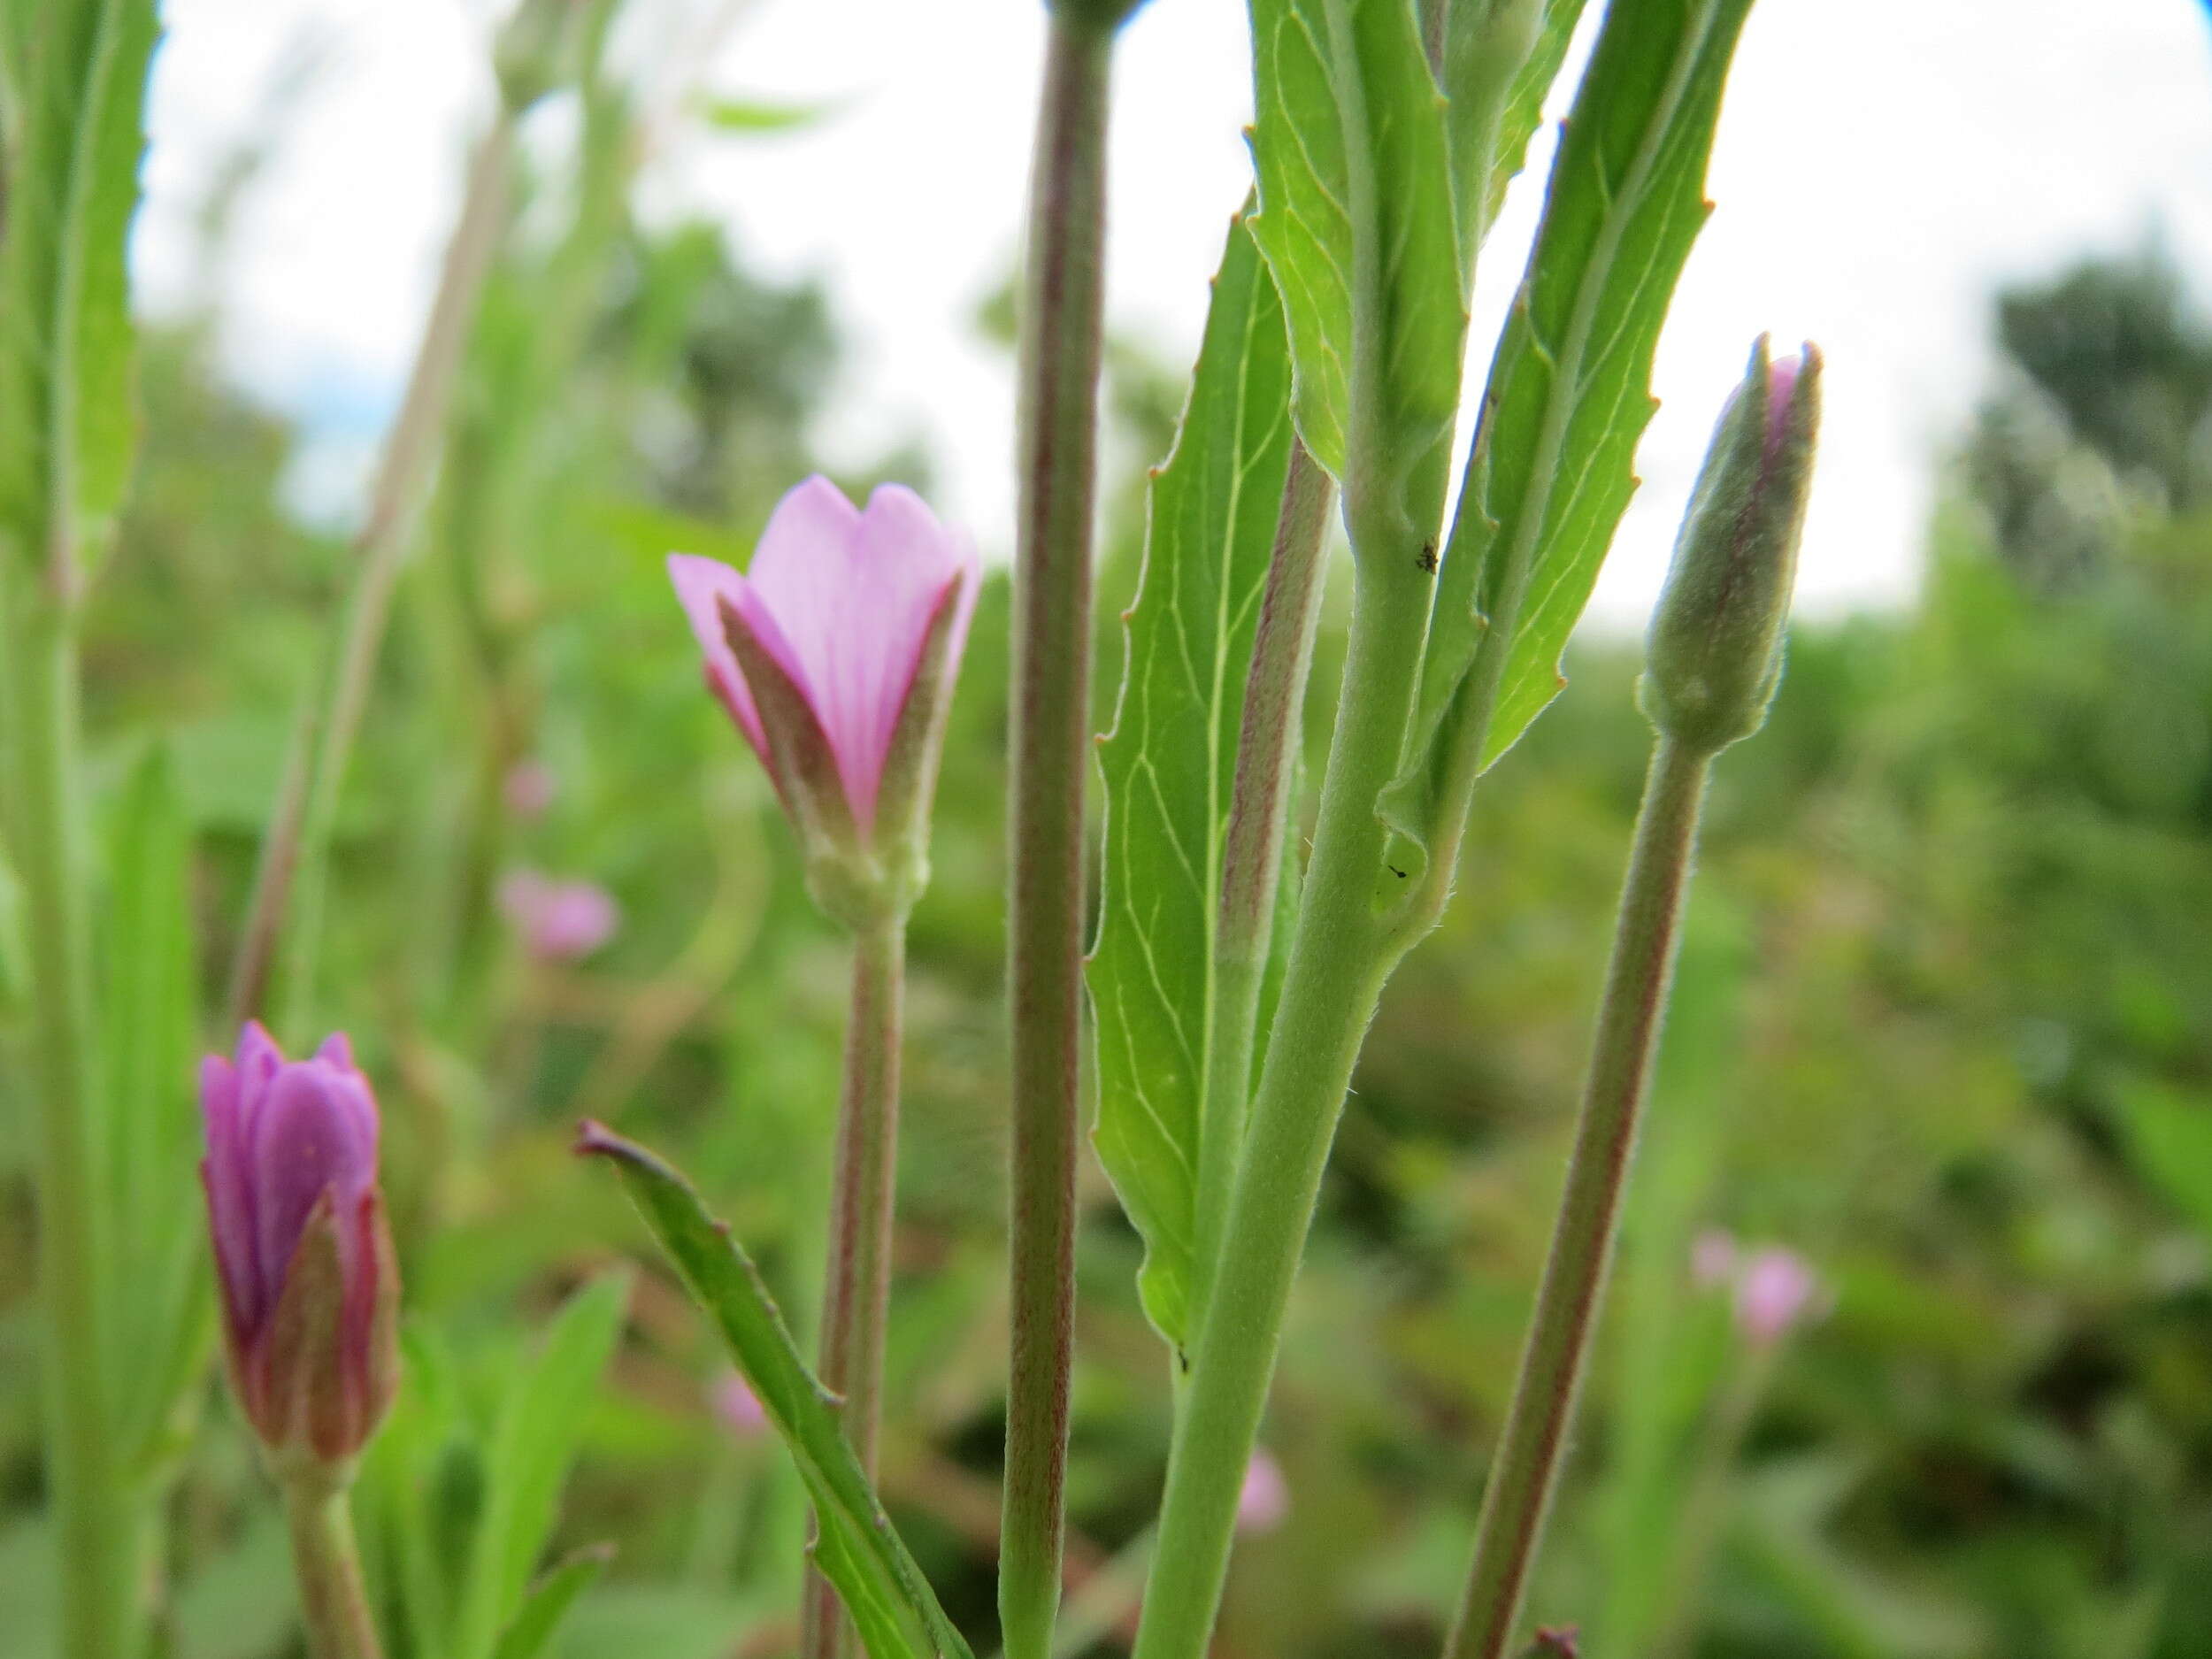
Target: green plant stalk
x: 1704, y: 1506
x: 857, y: 1280
x: 1252, y: 854
x: 1526, y: 1466
x: 326, y: 1564
x: 93, y: 1545
x: 1062, y: 297
x: 284, y: 917
x: 1341, y: 954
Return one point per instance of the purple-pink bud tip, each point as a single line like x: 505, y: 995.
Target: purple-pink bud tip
x: 738, y: 1409
x: 302, y: 1255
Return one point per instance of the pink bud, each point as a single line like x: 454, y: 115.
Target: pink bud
x: 304, y: 1258
x: 843, y: 603
x: 1265, y: 1499
x: 1712, y: 1259
x: 739, y: 1409
x: 559, y: 921
x: 1773, y: 1296
x: 528, y: 789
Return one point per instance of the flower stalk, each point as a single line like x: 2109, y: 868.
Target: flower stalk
x: 1061, y: 300
x: 326, y: 1565
x: 283, y: 920
x: 90, y: 1502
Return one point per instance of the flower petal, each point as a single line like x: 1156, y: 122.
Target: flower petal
x: 229, y: 1196
x: 316, y: 1132
x: 700, y: 584
x: 853, y: 594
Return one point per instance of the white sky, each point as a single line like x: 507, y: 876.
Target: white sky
x: 1882, y: 165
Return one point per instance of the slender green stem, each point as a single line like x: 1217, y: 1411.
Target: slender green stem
x: 1063, y: 294
x: 92, y: 1545
x: 1526, y: 1467
x: 285, y: 913
x: 1703, y: 1506
x: 334, y: 1607
x: 856, y: 1282
x: 1252, y: 854
x: 1340, y: 958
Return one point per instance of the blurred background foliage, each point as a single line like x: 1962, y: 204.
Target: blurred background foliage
x: 1944, y: 1027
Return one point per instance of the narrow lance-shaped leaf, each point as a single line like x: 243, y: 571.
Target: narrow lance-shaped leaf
x: 78, y: 71
x: 855, y: 1547
x: 549, y: 1601
x: 1569, y: 393
x: 1355, y: 219
x: 1169, y: 765
x: 150, y: 1124
x: 540, y: 1423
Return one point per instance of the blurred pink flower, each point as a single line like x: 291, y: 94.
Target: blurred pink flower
x: 559, y: 921
x: 843, y: 602
x: 738, y: 1408
x: 528, y: 789
x: 1264, y: 1500
x: 1773, y: 1294
x: 1713, y: 1259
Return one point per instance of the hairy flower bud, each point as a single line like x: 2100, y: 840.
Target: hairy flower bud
x: 835, y: 655
x: 1715, y: 643
x: 304, y: 1258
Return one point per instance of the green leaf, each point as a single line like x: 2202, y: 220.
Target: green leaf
x: 752, y: 115
x: 1523, y: 105
x: 2170, y: 1135
x: 1355, y: 219
x: 857, y: 1549
x: 550, y: 1599
x: 150, y: 1128
x: 540, y: 1423
x: 80, y: 69
x: 1569, y: 393
x: 1169, y: 764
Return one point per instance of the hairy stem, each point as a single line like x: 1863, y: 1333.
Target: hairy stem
x: 1061, y: 300
x: 334, y: 1607
x: 1339, y: 956
x: 1526, y: 1466
x: 284, y: 917
x: 92, y: 1543
x: 856, y: 1281
x: 1259, y: 809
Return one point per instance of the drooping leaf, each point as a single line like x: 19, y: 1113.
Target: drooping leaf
x: 549, y: 1601
x: 78, y: 74
x: 857, y: 1549
x: 1569, y: 393
x: 1355, y: 219
x: 533, y: 1443
x: 1169, y: 765
x: 150, y: 1127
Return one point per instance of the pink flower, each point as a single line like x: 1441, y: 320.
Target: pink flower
x: 1773, y: 1294
x: 1712, y: 1259
x: 1265, y: 1499
x: 559, y: 921
x: 739, y: 1409
x: 841, y: 606
x: 304, y: 1258
x: 528, y: 789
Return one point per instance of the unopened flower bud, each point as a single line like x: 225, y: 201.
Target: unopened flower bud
x: 835, y: 656
x: 309, y: 1286
x: 1716, y: 644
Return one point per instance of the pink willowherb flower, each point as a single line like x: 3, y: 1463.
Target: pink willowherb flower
x: 843, y: 607
x: 1263, y: 1501
x: 738, y: 1409
x: 302, y: 1255
x: 1773, y: 1294
x: 559, y: 921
